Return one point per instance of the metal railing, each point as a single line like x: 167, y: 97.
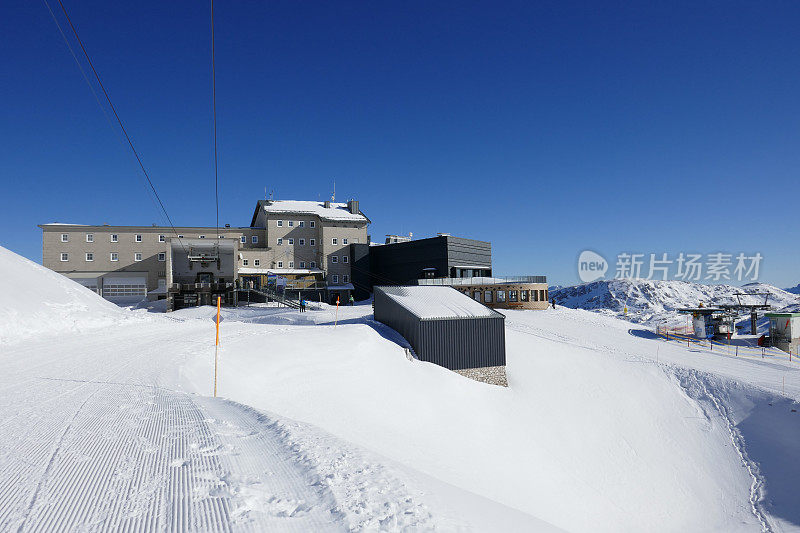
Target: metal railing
x: 487, y: 280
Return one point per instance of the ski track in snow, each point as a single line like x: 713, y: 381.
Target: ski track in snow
x: 90, y: 446
x: 696, y: 386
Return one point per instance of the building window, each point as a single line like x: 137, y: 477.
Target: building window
x: 245, y: 262
x: 476, y: 295
x: 291, y: 241
x: 90, y: 237
x: 280, y: 223
x: 162, y: 238
x: 65, y: 237
x: 89, y: 256
x: 162, y: 256
x: 291, y: 264
x: 302, y: 242
x: 114, y: 256
x: 313, y: 264
x: 501, y: 296
x: 202, y: 236
x: 302, y: 264
x: 256, y: 262
x: 335, y: 278
x: 254, y: 240
x: 301, y: 224
x: 523, y: 296
x: 345, y: 259
x: 334, y: 259
x: 311, y: 224
x: 114, y: 237
x: 280, y: 242
x: 180, y: 236
x: 512, y: 296
x: 243, y: 239
x: 64, y: 257
x: 334, y: 241
x: 138, y: 237
x: 345, y: 278
x: 280, y: 264
x: 344, y: 241
x: 291, y: 223
x: 487, y: 297
x: 137, y: 256
x: 312, y: 242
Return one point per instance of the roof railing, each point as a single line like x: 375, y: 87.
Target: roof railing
x: 483, y: 280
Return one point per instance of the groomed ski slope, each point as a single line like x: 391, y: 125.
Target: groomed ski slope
x: 98, y: 433
x: 108, y: 425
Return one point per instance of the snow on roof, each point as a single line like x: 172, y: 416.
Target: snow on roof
x: 336, y: 211
x: 430, y: 301
x: 62, y: 224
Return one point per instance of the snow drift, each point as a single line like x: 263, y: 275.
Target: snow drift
x: 46, y: 303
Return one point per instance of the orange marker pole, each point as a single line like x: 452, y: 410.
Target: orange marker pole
x: 216, y: 349
x: 336, y: 319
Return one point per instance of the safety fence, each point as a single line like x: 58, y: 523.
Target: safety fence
x: 684, y: 335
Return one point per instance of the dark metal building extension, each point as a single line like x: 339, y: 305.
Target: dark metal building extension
x: 443, y: 326
x: 403, y: 263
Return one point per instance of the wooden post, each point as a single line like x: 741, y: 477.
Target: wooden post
x: 216, y: 348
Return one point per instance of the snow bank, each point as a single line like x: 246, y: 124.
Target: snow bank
x: 38, y: 301
x: 588, y: 437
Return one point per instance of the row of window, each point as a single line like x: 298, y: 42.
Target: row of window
x: 114, y: 256
x: 513, y: 296
x: 311, y: 242
x: 301, y: 242
x: 312, y: 264
x: 114, y: 237
x: 335, y: 278
x: 300, y: 223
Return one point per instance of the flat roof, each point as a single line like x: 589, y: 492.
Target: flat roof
x: 167, y: 229
x: 782, y: 315
x: 704, y: 310
x: 435, y: 301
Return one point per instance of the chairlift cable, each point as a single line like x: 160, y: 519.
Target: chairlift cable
x: 214, y: 110
x: 119, y: 121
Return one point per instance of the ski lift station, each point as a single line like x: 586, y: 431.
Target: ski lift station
x: 710, y: 322
x: 444, y: 326
x: 200, y: 270
x: 784, y: 331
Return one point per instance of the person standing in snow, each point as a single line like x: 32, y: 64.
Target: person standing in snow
x: 553, y: 301
x: 302, y: 305
x: 352, y: 299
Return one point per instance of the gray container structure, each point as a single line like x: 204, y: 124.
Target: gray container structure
x: 444, y: 326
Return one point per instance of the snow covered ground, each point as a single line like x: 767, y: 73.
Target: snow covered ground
x: 109, y: 424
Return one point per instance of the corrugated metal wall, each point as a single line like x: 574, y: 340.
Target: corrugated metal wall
x: 454, y: 343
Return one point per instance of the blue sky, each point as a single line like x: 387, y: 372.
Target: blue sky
x: 545, y: 128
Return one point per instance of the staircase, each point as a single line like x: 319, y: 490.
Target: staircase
x: 274, y: 296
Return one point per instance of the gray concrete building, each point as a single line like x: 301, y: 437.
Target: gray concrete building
x: 306, y: 243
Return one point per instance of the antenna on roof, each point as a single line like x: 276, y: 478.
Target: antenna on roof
x: 265, y: 194
x: 333, y: 196
x: 271, y: 195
